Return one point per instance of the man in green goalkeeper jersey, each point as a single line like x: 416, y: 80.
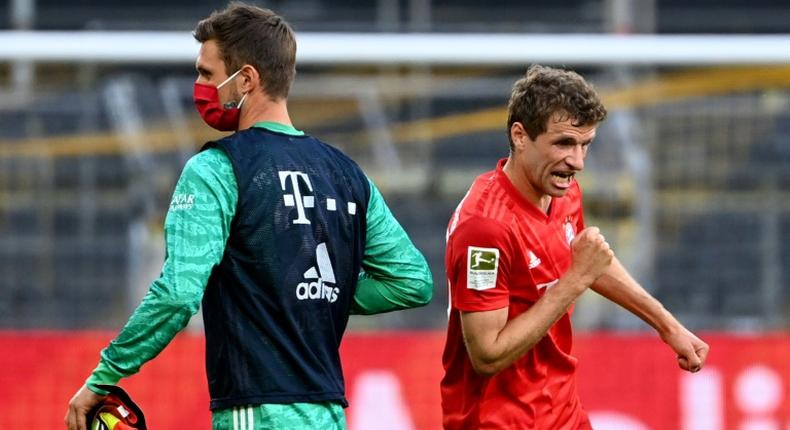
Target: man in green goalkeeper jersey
x: 281, y: 237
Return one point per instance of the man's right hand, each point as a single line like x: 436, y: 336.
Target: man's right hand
x: 79, y: 406
x: 591, y: 255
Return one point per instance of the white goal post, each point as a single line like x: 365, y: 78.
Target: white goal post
x: 413, y: 48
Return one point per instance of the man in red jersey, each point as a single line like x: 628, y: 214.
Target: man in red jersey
x: 518, y: 255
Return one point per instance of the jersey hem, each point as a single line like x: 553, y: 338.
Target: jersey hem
x: 278, y: 399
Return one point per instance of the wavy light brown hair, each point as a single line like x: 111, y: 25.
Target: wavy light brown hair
x: 544, y: 92
x: 259, y: 37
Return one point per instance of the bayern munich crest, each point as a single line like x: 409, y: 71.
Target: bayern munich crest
x: 570, y: 232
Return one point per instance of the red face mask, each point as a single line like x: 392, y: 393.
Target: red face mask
x: 215, y: 114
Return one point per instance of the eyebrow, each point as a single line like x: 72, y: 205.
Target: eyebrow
x: 568, y: 140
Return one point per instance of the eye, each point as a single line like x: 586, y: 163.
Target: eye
x: 204, y: 73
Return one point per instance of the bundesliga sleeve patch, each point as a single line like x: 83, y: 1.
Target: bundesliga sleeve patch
x: 481, y: 268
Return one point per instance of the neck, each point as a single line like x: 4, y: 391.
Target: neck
x: 262, y: 108
x: 518, y: 177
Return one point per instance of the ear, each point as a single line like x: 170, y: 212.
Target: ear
x: 519, y: 136
x: 250, y: 79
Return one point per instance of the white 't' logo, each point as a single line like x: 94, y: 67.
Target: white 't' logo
x: 296, y: 199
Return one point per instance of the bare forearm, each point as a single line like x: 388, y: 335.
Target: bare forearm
x: 619, y: 287
x: 523, y: 332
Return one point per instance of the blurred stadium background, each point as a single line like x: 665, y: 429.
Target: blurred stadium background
x: 688, y: 178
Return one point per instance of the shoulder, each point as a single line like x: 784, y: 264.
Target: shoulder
x: 210, y: 169
x: 486, y: 199
x: 210, y: 161
x: 486, y: 190
x: 243, y: 142
x: 481, y: 231
x: 336, y: 152
x: 337, y: 159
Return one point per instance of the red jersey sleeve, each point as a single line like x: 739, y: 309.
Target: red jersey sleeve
x: 478, y: 265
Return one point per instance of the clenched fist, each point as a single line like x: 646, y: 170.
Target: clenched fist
x: 591, y: 255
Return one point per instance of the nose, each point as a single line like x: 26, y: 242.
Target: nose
x: 575, y: 159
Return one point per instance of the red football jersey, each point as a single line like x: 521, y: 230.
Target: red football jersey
x: 503, y: 251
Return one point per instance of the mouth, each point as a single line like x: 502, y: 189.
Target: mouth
x: 561, y: 179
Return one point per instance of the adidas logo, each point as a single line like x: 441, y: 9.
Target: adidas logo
x: 534, y: 261
x: 315, y: 285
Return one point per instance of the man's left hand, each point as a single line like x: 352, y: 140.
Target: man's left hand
x: 691, y: 350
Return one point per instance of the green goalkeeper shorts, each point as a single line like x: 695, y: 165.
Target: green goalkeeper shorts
x: 319, y: 416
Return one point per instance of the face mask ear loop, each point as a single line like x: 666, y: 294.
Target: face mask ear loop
x: 231, y: 104
x: 241, y: 101
x: 229, y: 79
